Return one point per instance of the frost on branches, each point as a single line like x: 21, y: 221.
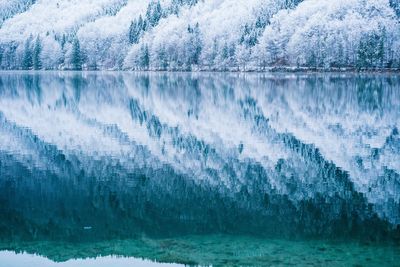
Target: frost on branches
x: 240, y: 35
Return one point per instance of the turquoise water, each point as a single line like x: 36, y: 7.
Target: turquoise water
x: 140, y: 169
x: 205, y: 250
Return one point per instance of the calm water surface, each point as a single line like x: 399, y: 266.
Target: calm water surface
x: 168, y: 169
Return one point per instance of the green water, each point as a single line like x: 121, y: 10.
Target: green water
x: 222, y: 250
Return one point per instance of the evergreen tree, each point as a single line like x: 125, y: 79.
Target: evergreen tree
x: 63, y: 41
x: 76, y: 55
x: 144, y: 60
x: 292, y: 3
x: 154, y: 13
x: 251, y: 32
x: 10, y: 56
x: 228, y: 55
x: 135, y: 30
x: 176, y: 4
x: 225, y: 51
x: 1, y: 56
x: 242, y: 55
x: 162, y: 58
x: 395, y: 4
x: 132, y: 37
x: 371, y: 51
x: 195, y: 45
x: 260, y: 23
x: 214, y: 52
x: 142, y: 24
x: 37, y: 50
x: 27, y: 60
x: 381, y: 48
x: 272, y: 49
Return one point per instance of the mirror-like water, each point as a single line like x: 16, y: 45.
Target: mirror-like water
x: 211, y: 169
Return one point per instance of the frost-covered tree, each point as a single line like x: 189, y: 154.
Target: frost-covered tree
x: 76, y: 55
x: 250, y: 33
x: 242, y: 55
x: 133, y: 35
x: 1, y: 55
x: 27, y: 59
x: 292, y: 3
x: 227, y: 58
x: 176, y: 5
x: 9, y: 56
x: 371, y: 50
x: 154, y: 13
x: 51, y: 55
x: 135, y: 30
x: 209, y: 55
x: 161, y: 61
x: 195, y: 45
x: 144, y: 57
x: 63, y: 41
x: 395, y: 4
x: 113, y: 34
x: 36, y: 57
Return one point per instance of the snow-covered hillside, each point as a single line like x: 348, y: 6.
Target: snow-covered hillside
x: 199, y: 34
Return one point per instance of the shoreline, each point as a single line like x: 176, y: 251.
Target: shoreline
x: 257, y: 71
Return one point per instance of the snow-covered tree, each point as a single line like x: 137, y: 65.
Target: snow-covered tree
x: 222, y: 35
x: 395, y: 4
x: 136, y: 29
x: 1, y: 54
x: 36, y: 57
x: 144, y: 57
x: 194, y: 45
x: 242, y: 55
x: 292, y: 3
x: 27, y: 59
x: 51, y: 55
x: 160, y: 58
x: 154, y: 13
x: 76, y: 55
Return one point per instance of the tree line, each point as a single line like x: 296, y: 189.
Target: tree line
x: 254, y: 49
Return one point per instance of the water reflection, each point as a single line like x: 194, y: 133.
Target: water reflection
x: 99, y: 156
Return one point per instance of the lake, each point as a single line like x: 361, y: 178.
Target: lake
x: 199, y: 169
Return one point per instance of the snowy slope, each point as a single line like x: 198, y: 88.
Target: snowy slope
x: 199, y: 34
x: 56, y: 17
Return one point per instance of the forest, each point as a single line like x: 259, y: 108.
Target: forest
x: 199, y: 35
